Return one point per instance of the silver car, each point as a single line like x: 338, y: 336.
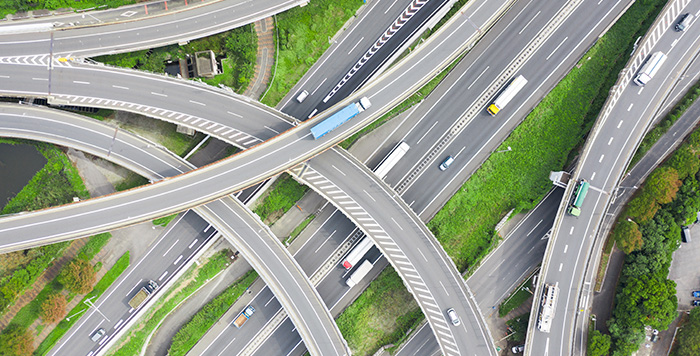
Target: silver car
x: 452, y: 314
x: 97, y: 335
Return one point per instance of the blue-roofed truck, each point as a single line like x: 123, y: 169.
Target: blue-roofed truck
x: 243, y: 316
x: 339, y: 118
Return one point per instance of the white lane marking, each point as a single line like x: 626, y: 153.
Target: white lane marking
x: 566, y: 248
x: 674, y: 43
x: 44, y: 79
x: 120, y: 87
x: 422, y: 137
x: 193, y: 242
x: 80, y: 82
x: 529, y: 22
x: 443, y: 287
x: 571, y: 232
x: 593, y: 176
x: 619, y: 124
x: 234, y: 114
x: 640, y: 90
x: 268, y: 302
x: 610, y: 141
x: 630, y: 107
x: 323, y: 81
x: 119, y: 323
x: 369, y: 195
x: 460, y: 152
x: 271, y: 129
x: 477, y: 78
x: 356, y: 44
x: 171, y: 247
x: 562, y: 42
x: 4, y: 76
x: 159, y: 94
x: 397, y: 224
x: 338, y: 169
x: 533, y: 229
x: 163, y: 276
x: 197, y: 102
x: 177, y: 260
x: 390, y: 6
x: 324, y: 242
x: 560, y: 266
x: 422, y: 255
x: 601, y: 158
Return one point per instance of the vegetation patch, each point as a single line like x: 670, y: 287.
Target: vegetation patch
x: 688, y: 339
x: 283, y: 195
x: 93, y: 246
x: 665, y: 124
x: 132, y: 342
x: 519, y: 179
x: 132, y: 180
x: 297, y: 230
x: 381, y: 315
x: 14, y: 6
x: 521, y: 294
x: 604, y: 259
x: 517, y: 327
x: 304, y: 34
x: 236, y: 49
x: 164, y: 221
x: 55, y: 184
x: 64, y: 325
x: 205, y: 318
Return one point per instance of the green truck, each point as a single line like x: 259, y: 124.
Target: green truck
x: 579, y: 195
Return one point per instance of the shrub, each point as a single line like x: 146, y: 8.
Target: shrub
x: 689, y: 336
x: 53, y: 308
x: 628, y: 236
x: 598, y: 344
x: 15, y: 341
x: 78, y: 276
x: 663, y: 184
x: 642, y: 207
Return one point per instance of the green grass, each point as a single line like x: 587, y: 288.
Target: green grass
x: 164, y: 221
x: 205, y: 318
x: 303, y: 38
x: 542, y: 143
x: 63, y: 326
x: 11, y: 7
x: 665, y: 124
x: 55, y: 184
x: 604, y: 259
x: 516, y: 299
x: 381, y: 315
x: 93, y: 246
x: 132, y: 343
x: 30, y: 312
x: 297, y: 230
x: 283, y: 195
x: 405, y: 105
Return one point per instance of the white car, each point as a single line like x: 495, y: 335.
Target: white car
x: 452, y: 314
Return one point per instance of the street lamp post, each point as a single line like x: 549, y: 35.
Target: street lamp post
x: 506, y: 150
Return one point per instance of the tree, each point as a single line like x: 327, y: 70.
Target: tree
x: 685, y: 162
x: 15, y: 341
x: 642, y: 207
x: 53, y: 308
x: 663, y: 184
x: 627, y: 236
x: 689, y: 336
x: 598, y: 344
x: 78, y: 276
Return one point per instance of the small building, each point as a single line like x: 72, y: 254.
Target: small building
x: 201, y: 64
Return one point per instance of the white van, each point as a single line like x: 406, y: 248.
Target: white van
x: 302, y: 96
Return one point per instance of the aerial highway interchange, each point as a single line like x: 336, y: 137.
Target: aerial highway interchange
x: 60, y: 89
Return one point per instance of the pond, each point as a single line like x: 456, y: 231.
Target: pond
x: 18, y: 164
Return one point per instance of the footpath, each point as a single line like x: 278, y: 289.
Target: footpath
x: 265, y: 30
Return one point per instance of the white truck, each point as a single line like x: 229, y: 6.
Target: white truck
x: 141, y: 296
x: 507, y: 95
x: 359, y: 273
x: 650, y: 68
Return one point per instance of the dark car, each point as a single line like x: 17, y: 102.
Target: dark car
x: 696, y: 303
x: 518, y: 349
x: 696, y: 294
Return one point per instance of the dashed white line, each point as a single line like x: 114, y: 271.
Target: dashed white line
x: 566, y: 248
x: 630, y: 107
x: 477, y: 78
x: 356, y: 44
x: 369, y: 195
x: 193, y: 242
x: 119, y: 323
x: 431, y: 127
x: 571, y: 232
x: 271, y: 129
x: 610, y: 141
x: 171, y: 247
x: 422, y: 255
x: 234, y: 114
x: 601, y: 158
x: 197, y: 102
x: 80, y: 82
x: 159, y: 94
x: 163, y: 276
x: 177, y: 260
x: 529, y: 22
x: 44, y: 79
x: 560, y: 266
x: 551, y: 54
x: 443, y: 287
x: 619, y: 124
x: 4, y: 76
x: 338, y: 169
x: 593, y: 176
x: 640, y: 90
x: 270, y: 300
x: 397, y: 224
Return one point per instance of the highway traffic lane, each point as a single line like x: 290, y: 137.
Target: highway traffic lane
x: 369, y: 209
x: 173, y: 249
x: 265, y: 253
x: 577, y: 234
x: 144, y: 33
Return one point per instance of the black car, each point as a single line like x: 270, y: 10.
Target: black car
x: 696, y: 303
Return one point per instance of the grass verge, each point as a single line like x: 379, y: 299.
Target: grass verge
x: 283, y: 195
x: 64, y: 325
x: 132, y: 342
x: 381, y: 315
x: 604, y: 259
x: 201, y: 322
x: 11, y: 7
x: 665, y: 124
x: 164, y: 221
x: 522, y: 293
x: 297, y: 230
x: 304, y: 34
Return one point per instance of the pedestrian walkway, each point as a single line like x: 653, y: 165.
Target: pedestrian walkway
x: 68, y: 254
x: 265, y: 30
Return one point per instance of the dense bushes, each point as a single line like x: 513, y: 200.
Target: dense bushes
x: 16, y: 341
x: 78, y: 276
x: 53, y: 308
x: 689, y: 336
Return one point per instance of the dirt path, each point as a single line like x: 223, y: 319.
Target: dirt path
x: 265, y: 30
